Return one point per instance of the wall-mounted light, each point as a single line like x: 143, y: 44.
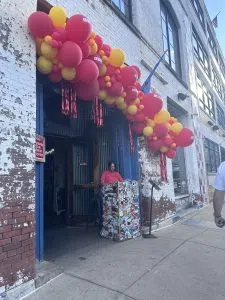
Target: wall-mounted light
x: 215, y: 127
x: 182, y: 96
x: 210, y: 123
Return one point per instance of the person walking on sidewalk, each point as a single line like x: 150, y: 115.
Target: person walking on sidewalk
x: 219, y: 193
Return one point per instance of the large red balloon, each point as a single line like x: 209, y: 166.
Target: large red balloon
x: 185, y: 138
x: 171, y: 154
x: 160, y: 130
x: 111, y: 70
x: 152, y: 105
x: 60, y: 34
x: 139, y: 117
x: 78, y: 28
x: 85, y: 48
x: 70, y: 55
x: 155, y: 146
x: 137, y: 70
x: 87, y: 92
x: 115, y: 90
x: 40, y: 24
x: 87, y: 71
x: 131, y: 93
x: 128, y: 76
x: 137, y: 128
x: 98, y: 41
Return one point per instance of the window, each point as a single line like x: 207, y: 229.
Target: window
x: 212, y: 155
x: 198, y: 11
x: 212, y: 42
x: 179, y: 173
x: 221, y: 64
x: 124, y: 6
x: 200, y: 53
x: 216, y: 82
x: 222, y: 152
x: 205, y: 99
x: 170, y: 39
x: 220, y: 116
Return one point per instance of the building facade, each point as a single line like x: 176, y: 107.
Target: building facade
x: 190, y: 81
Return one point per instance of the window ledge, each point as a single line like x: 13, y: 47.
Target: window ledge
x: 178, y: 197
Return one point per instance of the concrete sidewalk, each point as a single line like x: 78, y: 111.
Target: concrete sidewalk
x: 186, y: 261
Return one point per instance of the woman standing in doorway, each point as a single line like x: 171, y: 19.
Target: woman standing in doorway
x: 111, y: 175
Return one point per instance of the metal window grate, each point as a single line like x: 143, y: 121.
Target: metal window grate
x: 124, y: 6
x: 212, y: 155
x: 205, y: 99
x: 199, y: 11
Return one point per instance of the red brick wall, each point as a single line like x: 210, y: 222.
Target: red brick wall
x: 17, y: 244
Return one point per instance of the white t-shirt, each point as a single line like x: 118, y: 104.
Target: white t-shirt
x: 219, y: 183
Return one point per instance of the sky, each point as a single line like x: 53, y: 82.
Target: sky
x: 214, y: 7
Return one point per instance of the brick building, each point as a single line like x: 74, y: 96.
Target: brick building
x: 190, y: 81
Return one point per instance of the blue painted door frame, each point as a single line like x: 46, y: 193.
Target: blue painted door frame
x: 39, y: 189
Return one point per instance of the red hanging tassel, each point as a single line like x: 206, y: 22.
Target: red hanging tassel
x: 63, y: 98
x: 100, y: 114
x: 97, y: 114
x: 131, y: 139
x: 163, y: 167
x: 73, y: 102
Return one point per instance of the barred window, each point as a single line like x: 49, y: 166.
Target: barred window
x: 200, y: 53
x: 212, y: 155
x: 212, y: 42
x: 216, y: 82
x: 170, y: 39
x: 220, y: 116
x: 199, y: 11
x: 205, y: 99
x: 124, y: 6
x: 221, y: 64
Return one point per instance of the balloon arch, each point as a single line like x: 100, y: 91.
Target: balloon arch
x: 69, y: 51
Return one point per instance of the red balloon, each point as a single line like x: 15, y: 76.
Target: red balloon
x: 115, y: 90
x: 110, y: 70
x: 155, y: 146
x: 152, y: 105
x: 168, y: 141
x: 87, y: 71
x: 138, y: 85
x: 128, y: 76
x: 107, y: 49
x: 137, y: 70
x: 171, y: 154
x: 132, y: 93
x: 60, y: 34
x: 137, y: 128
x: 96, y: 59
x: 85, y: 48
x: 55, y: 77
x: 78, y: 28
x: 40, y: 24
x: 98, y: 41
x: 139, y: 117
x: 70, y: 55
x: 160, y: 130
x: 185, y: 138
x: 87, y: 92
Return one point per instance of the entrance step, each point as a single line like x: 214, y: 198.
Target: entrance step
x: 46, y: 271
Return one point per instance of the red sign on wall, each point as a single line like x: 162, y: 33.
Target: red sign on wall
x: 40, y: 148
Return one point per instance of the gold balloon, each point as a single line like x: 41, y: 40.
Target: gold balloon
x: 102, y: 95
x: 58, y: 16
x: 103, y: 70
x: 147, y: 131
x: 117, y: 57
x: 162, y: 117
x: 44, y: 65
x: 132, y: 109
x: 110, y: 100
x: 176, y: 127
x: 119, y: 100
x: 68, y: 73
x: 164, y: 149
x: 38, y: 42
x: 48, y: 52
x: 151, y: 123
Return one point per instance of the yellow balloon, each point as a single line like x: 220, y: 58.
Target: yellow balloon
x: 110, y: 100
x: 68, y: 73
x: 164, y: 149
x: 151, y: 123
x: 176, y: 127
x: 48, y: 52
x: 103, y: 70
x: 58, y: 16
x: 137, y: 101
x: 162, y: 117
x: 93, y: 48
x: 44, y: 65
x: 147, y: 131
x: 122, y: 106
x: 102, y: 95
x: 119, y: 101
x: 117, y: 57
x: 132, y: 109
x: 38, y: 42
